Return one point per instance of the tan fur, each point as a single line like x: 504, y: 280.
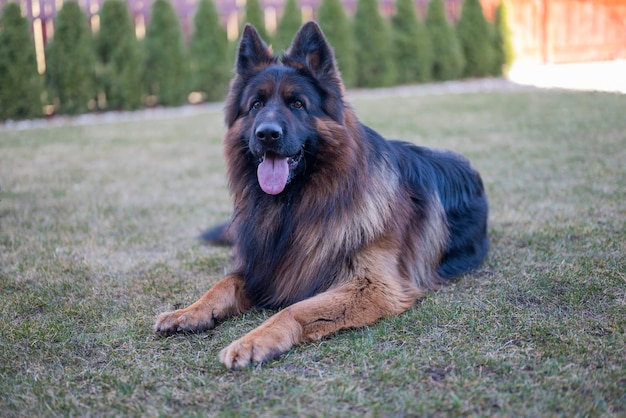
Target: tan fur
x: 225, y: 299
x: 376, y: 292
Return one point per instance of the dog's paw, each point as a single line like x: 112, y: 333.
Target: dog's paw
x: 245, y: 351
x: 183, y: 320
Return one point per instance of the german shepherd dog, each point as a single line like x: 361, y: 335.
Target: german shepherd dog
x: 333, y: 225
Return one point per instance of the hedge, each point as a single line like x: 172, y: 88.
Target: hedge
x: 370, y: 50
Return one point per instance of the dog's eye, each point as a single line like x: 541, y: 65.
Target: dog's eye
x: 257, y: 104
x: 297, y: 104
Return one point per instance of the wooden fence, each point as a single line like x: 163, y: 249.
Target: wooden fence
x: 558, y: 31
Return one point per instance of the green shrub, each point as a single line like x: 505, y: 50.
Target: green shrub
x: 288, y: 25
x: 503, y: 40
x: 412, y: 48
x: 20, y: 95
x: 375, y: 65
x: 476, y: 40
x: 165, y: 61
x: 338, y: 30
x: 448, y: 62
x: 70, y: 64
x: 256, y: 17
x: 209, y: 58
x: 119, y: 55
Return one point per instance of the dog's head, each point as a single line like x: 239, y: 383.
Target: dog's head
x: 275, y: 104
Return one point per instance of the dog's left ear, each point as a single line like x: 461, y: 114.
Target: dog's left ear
x: 309, y: 47
x: 253, y: 53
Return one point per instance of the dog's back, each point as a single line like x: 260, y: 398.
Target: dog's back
x: 462, y: 195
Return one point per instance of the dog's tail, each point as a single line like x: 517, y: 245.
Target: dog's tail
x: 218, y: 235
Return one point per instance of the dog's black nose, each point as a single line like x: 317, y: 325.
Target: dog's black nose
x: 268, y: 132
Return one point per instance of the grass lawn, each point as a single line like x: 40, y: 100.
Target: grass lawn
x: 97, y: 236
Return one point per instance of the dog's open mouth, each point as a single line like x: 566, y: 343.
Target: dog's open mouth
x: 275, y: 172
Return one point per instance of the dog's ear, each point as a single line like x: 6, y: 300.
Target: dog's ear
x: 254, y: 54
x: 310, y: 52
x: 310, y: 48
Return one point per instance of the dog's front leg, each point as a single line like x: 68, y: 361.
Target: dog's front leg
x: 226, y: 298
x: 355, y: 304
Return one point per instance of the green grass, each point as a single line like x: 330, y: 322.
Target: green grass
x: 97, y: 236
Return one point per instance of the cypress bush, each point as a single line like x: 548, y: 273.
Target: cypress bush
x: 20, y: 95
x: 448, y: 62
x: 503, y: 40
x: 288, y: 25
x: 476, y: 40
x: 70, y: 63
x: 256, y: 16
x: 119, y: 56
x: 165, y: 60
x: 375, y: 65
x: 338, y: 30
x: 209, y: 57
x: 412, y: 48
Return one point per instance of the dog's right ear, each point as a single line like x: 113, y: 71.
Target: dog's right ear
x: 254, y: 54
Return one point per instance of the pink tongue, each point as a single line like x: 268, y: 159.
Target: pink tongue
x: 273, y: 173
